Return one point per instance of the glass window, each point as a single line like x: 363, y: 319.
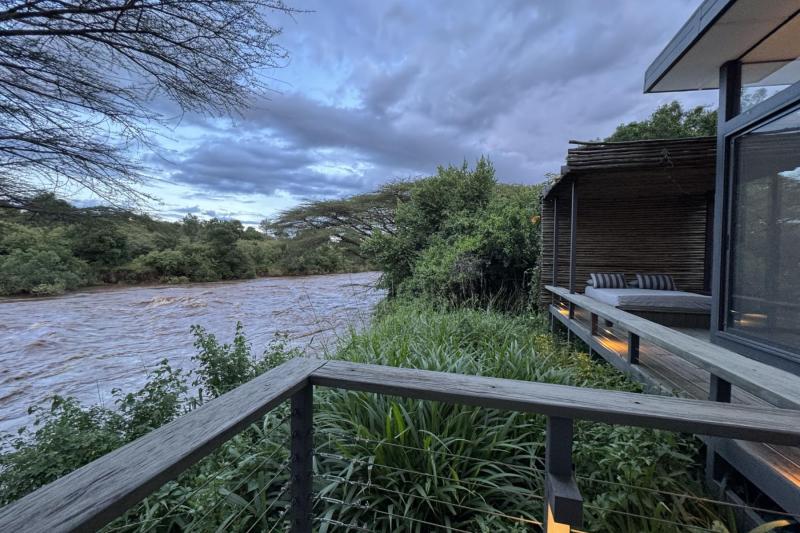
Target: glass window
x: 763, y: 80
x: 764, y: 278
x: 772, y: 65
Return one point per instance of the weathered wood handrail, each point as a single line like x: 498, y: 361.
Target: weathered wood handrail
x: 762, y: 424
x: 776, y: 386
x: 97, y: 493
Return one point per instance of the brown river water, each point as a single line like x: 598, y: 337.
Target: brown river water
x: 84, y: 344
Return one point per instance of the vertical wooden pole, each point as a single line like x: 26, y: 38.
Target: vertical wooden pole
x: 302, y: 457
x: 573, y: 230
x: 594, y: 323
x: 563, y: 502
x: 555, y: 242
x: 633, y: 348
x: 571, y: 315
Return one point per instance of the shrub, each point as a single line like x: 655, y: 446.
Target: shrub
x: 40, y: 272
x: 66, y: 435
x: 462, y: 238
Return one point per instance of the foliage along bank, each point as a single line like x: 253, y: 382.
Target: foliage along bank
x: 53, y: 247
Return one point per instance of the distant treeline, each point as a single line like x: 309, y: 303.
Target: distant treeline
x: 456, y: 236
x: 53, y: 247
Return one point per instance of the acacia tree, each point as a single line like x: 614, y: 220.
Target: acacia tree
x: 80, y: 82
x: 349, y: 220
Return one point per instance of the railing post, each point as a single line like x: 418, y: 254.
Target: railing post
x: 571, y: 316
x: 563, y: 507
x: 633, y: 348
x: 719, y: 390
x: 302, y: 457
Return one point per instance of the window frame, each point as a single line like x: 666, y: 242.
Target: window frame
x: 731, y: 125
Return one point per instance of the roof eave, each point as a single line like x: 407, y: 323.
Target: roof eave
x: 692, y: 31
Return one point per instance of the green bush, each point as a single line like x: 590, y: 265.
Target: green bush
x: 108, y: 246
x: 40, y: 272
x: 462, y: 238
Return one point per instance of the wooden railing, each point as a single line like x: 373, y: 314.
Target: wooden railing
x: 726, y: 368
x: 103, y: 490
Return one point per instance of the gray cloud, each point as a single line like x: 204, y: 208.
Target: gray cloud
x: 377, y: 91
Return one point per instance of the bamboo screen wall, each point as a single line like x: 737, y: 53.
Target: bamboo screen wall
x: 639, y: 210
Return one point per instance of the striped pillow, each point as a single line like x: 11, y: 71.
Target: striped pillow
x: 658, y: 282
x: 603, y: 280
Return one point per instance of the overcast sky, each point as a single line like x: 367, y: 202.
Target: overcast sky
x: 379, y: 90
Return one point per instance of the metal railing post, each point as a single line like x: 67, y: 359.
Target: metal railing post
x: 302, y: 457
x: 719, y: 390
x: 563, y: 507
x: 633, y: 348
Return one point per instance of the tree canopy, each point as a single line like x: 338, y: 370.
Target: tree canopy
x: 460, y: 236
x: 57, y: 247
x: 81, y: 82
x: 669, y: 121
x: 348, y: 220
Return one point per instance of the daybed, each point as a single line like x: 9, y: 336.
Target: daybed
x: 670, y: 308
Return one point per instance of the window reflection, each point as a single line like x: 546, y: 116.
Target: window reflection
x: 766, y: 79
x: 764, y: 283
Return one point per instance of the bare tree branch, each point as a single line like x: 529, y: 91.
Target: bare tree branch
x: 78, y: 79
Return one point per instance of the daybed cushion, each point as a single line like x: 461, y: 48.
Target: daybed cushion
x: 659, y: 282
x: 649, y: 298
x: 607, y: 280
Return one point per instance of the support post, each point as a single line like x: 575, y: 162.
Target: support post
x: 730, y: 87
x: 555, y: 242
x: 573, y: 230
x: 719, y: 390
x: 633, y: 348
x: 563, y: 501
x: 594, y: 323
x: 571, y: 315
x: 302, y: 458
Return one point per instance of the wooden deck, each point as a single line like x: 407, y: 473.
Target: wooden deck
x: 775, y: 470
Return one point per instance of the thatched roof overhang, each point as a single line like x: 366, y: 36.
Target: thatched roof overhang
x: 639, y: 159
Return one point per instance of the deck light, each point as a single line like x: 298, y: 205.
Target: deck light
x: 551, y: 526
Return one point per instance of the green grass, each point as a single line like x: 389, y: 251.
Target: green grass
x: 475, y: 468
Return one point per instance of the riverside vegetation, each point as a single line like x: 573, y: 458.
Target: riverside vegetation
x: 459, y: 260
x: 52, y: 247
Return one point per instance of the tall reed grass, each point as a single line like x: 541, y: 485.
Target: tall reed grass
x: 472, y: 468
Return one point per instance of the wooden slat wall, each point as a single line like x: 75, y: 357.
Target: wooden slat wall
x: 651, y: 221
x: 547, y: 246
x: 655, y: 235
